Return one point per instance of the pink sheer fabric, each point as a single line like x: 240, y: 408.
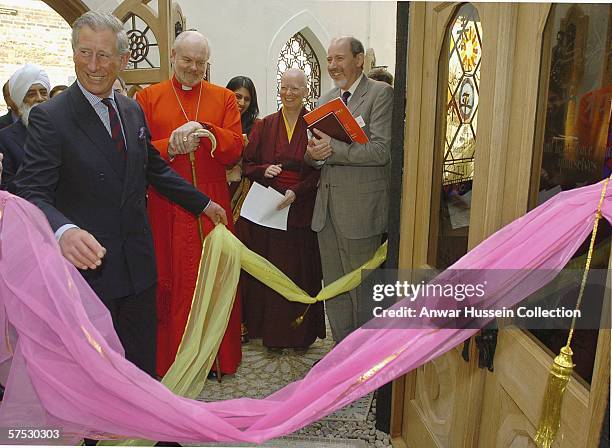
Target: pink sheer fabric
x: 67, y: 366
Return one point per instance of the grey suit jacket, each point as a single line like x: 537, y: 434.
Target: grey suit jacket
x: 354, y: 184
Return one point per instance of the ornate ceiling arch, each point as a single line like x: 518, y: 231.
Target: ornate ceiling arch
x: 70, y: 10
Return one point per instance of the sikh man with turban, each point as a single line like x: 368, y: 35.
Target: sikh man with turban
x: 28, y: 87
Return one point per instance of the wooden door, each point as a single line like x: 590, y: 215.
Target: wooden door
x: 450, y: 402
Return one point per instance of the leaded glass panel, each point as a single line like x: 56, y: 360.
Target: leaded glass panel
x: 144, y: 50
x: 464, y: 53
x: 297, y: 53
x: 460, y: 63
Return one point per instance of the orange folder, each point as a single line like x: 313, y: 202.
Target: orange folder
x: 336, y: 120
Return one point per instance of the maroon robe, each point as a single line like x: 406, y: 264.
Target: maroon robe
x: 295, y: 251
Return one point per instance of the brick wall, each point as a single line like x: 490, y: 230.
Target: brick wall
x: 30, y: 31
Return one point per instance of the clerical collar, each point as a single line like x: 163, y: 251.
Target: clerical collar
x: 178, y: 85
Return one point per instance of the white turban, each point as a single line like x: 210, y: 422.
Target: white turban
x: 21, y: 81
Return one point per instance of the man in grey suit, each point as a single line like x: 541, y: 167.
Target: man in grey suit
x: 350, y: 214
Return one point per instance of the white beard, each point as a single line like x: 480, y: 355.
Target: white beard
x: 341, y: 84
x: 25, y: 113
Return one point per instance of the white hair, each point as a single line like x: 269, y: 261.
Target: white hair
x: 24, y: 113
x: 191, y: 35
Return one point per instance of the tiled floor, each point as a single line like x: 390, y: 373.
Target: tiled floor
x: 262, y: 373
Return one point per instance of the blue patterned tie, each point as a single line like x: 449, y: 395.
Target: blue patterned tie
x: 345, y: 97
x: 115, y: 125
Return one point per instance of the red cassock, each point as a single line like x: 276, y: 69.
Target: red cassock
x: 175, y: 230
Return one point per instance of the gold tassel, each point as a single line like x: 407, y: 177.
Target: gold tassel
x: 563, y: 366
x: 300, y: 319
x: 550, y: 416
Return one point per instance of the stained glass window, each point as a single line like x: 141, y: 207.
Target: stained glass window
x: 464, y: 53
x: 144, y: 50
x: 453, y: 174
x: 297, y: 53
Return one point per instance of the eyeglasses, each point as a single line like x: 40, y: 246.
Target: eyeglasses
x: 284, y: 89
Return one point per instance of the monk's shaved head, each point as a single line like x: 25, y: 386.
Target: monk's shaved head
x: 189, y: 57
x: 293, y: 89
x: 295, y: 74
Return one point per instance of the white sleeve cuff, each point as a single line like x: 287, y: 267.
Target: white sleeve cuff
x: 59, y: 232
x: 204, y: 209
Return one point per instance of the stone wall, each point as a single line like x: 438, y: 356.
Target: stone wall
x: 30, y: 31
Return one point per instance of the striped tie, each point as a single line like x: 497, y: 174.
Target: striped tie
x: 345, y: 97
x: 115, y: 125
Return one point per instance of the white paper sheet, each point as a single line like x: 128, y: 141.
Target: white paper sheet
x: 459, y: 210
x: 260, y: 207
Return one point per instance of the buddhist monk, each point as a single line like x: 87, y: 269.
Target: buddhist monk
x: 275, y: 157
x: 175, y: 110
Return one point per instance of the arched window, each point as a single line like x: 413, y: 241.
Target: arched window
x: 297, y: 53
x: 144, y: 50
x: 460, y: 63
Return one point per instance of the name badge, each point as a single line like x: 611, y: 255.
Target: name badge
x: 360, y: 121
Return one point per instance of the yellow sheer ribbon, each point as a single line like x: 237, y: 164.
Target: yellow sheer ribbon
x: 223, y: 255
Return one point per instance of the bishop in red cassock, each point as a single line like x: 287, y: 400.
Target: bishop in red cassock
x: 174, y: 110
